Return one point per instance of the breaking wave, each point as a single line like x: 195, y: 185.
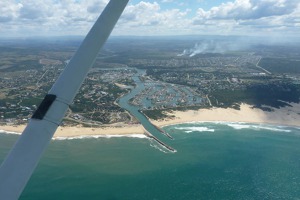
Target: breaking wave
x: 160, y: 147
x: 100, y: 136
x: 10, y: 132
x: 195, y: 129
x: 85, y: 136
x: 234, y: 125
x: 258, y: 127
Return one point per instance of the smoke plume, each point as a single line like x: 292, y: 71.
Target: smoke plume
x: 208, y: 47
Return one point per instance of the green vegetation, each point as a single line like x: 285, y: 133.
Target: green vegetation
x: 29, y: 101
x: 273, y: 95
x: 280, y: 65
x: 155, y: 114
x: 128, y: 82
x: 160, y: 114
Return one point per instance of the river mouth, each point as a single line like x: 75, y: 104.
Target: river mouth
x: 152, y: 131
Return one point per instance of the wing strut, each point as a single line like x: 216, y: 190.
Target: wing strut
x: 21, y: 161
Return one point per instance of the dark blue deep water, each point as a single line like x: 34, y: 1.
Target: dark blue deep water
x: 213, y: 161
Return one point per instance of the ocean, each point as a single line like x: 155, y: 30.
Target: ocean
x: 213, y: 161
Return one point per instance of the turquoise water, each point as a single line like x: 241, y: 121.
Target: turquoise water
x: 213, y: 161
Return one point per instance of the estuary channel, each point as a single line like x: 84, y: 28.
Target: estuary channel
x: 152, y: 131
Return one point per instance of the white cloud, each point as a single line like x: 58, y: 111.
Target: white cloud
x: 75, y: 17
x: 148, y: 18
x: 249, y: 9
x: 52, y: 17
x: 8, y: 10
x: 254, y: 16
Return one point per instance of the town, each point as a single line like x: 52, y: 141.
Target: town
x: 169, y: 81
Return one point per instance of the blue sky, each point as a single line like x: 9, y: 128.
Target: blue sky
x: 278, y: 18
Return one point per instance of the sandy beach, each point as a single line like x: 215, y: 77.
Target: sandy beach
x: 66, y: 131
x: 289, y: 116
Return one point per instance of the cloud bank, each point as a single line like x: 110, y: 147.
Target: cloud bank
x: 75, y: 17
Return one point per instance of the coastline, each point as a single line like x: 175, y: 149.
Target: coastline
x: 71, y: 132
x: 287, y: 116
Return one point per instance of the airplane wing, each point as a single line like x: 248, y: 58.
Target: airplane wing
x: 21, y: 161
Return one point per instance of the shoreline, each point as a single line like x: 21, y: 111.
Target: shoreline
x: 287, y: 116
x: 77, y: 131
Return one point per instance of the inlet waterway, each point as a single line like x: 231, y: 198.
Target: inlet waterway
x: 135, y: 110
